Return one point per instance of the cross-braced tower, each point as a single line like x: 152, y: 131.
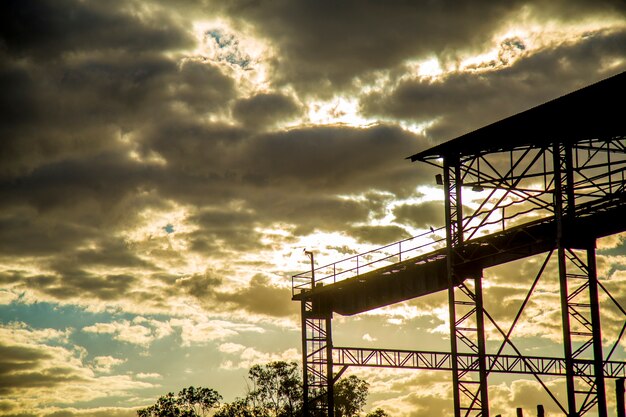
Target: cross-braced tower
x: 551, y: 181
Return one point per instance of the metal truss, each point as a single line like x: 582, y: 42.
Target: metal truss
x: 579, y: 296
x: 443, y: 361
x: 317, y: 361
x: 467, y: 331
x: 532, y: 199
x: 550, y: 181
x: 522, y: 182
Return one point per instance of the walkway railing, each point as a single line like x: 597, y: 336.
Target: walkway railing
x: 429, y: 242
x: 369, y: 261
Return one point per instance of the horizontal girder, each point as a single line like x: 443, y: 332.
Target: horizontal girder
x: 428, y: 360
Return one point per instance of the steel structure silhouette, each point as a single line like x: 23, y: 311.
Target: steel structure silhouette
x: 551, y: 181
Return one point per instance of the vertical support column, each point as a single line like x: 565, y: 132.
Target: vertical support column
x: 482, y: 352
x: 580, y: 311
x: 465, y: 308
x: 560, y: 203
x: 317, y: 360
x: 540, y: 411
x: 305, y: 367
x: 619, y: 397
x: 567, y: 338
x: 596, y: 330
x: 451, y: 235
x: 330, y: 392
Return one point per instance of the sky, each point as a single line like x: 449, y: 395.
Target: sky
x: 163, y: 165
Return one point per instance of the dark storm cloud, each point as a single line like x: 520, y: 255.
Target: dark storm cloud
x: 68, y: 278
x: 260, y: 297
x: 61, y: 207
x: 265, y: 110
x: 105, y: 76
x: 221, y: 231
x: 75, y: 284
x: 201, y: 86
x: 73, y: 211
x: 49, y: 28
x: 68, y: 180
x: 201, y: 286
x: 465, y: 101
x: 99, y: 182
x: 20, y: 358
x: 23, y: 233
x: 318, y: 212
x: 77, y: 109
x: 110, y: 253
x: 29, y: 367
x: 12, y: 383
x: 325, y: 45
x: 285, y: 176
x: 320, y: 158
x: 299, y: 172
x: 420, y: 215
x: 379, y: 234
x: 339, y: 159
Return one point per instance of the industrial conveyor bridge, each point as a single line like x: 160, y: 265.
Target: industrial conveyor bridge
x: 550, y: 181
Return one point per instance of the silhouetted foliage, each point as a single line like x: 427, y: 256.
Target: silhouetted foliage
x: 277, y: 388
x: 350, y: 396
x: 190, y: 402
x: 379, y: 412
x: 239, y: 408
x: 274, y: 390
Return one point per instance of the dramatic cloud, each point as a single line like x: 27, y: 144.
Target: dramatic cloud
x: 38, y: 368
x: 265, y: 109
x: 324, y: 46
x: 140, y: 331
x: 462, y: 101
x: 163, y: 166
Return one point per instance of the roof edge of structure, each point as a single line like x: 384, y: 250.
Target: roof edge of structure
x: 582, y: 114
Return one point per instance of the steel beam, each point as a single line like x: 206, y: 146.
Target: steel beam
x: 469, y: 362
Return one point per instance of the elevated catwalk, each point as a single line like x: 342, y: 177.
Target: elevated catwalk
x: 548, y: 180
x: 426, y: 274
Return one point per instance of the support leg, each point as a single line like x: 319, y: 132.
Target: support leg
x: 598, y: 356
x: 468, y: 335
x: 317, y: 361
x: 582, y: 336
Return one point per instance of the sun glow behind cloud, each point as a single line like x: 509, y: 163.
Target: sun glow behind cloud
x: 243, y: 54
x: 339, y: 110
x: 529, y: 33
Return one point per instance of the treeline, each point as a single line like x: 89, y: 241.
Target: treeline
x: 273, y: 390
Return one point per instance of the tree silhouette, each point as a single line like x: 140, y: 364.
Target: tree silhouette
x: 379, y: 412
x: 274, y: 390
x: 190, y: 402
x: 350, y: 396
x: 276, y: 387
